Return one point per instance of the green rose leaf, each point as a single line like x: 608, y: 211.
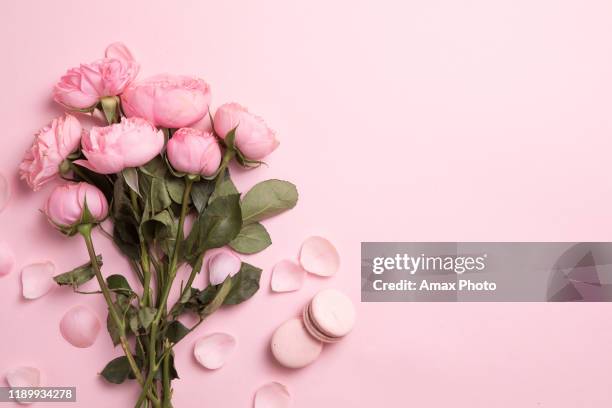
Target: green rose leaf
x: 226, y: 187
x: 117, y: 370
x: 125, y: 231
x: 176, y: 331
x: 159, y: 196
x: 221, y: 294
x: 78, y: 275
x: 267, y: 199
x: 113, y: 330
x: 118, y: 283
x: 244, y: 284
x: 146, y: 316
x: 130, y: 175
x: 218, y: 225
x: 176, y: 188
x: 200, y: 194
x: 251, y: 239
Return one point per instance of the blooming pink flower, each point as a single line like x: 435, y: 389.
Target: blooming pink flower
x: 51, y: 146
x: 82, y: 87
x: 169, y: 101
x: 194, y: 152
x: 66, y: 204
x: 221, y: 265
x: 254, y: 138
x: 131, y: 143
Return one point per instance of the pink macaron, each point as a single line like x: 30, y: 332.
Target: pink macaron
x: 329, y: 316
x: 293, y: 346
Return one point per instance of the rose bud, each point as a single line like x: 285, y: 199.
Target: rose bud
x: 52, y: 145
x: 221, y: 265
x: 169, y: 101
x: 194, y: 152
x: 131, y: 143
x: 254, y: 139
x: 81, y: 88
x: 65, y: 207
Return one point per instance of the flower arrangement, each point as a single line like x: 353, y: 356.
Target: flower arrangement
x: 160, y: 157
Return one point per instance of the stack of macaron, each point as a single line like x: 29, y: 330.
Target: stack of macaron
x: 327, y: 318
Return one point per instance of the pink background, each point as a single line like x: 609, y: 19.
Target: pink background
x: 410, y: 121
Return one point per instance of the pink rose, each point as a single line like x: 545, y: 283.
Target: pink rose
x: 131, y: 143
x: 254, y: 138
x: 168, y: 101
x: 51, y: 147
x: 83, y: 87
x: 194, y: 152
x: 66, y: 204
x: 221, y: 265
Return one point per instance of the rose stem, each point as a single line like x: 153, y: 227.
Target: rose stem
x: 85, y: 231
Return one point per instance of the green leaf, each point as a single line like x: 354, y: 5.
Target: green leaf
x: 222, y: 293
x: 159, y: 196
x: 146, y: 316
x: 161, y: 229
x: 251, y: 239
x: 244, y: 284
x: 268, y: 198
x: 215, y: 227
x: 176, y: 331
x: 176, y: 188
x: 125, y: 231
x: 117, y: 370
x: 130, y: 175
x: 118, y: 282
x: 77, y: 276
x: 155, y: 168
x: 113, y: 329
x: 200, y: 193
x: 226, y: 187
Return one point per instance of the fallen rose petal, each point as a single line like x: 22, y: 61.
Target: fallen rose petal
x: 222, y: 264
x: 212, y: 351
x: 7, y: 259
x: 287, y: 276
x: 80, y: 327
x: 272, y: 395
x: 37, y: 279
x: 5, y: 192
x: 23, y: 377
x: 319, y: 256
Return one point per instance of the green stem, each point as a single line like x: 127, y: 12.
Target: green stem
x: 85, y: 231
x: 167, y: 390
x: 227, y: 157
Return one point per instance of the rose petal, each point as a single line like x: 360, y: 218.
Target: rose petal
x: 287, y: 276
x: 319, y: 256
x: 37, y: 279
x: 23, y: 377
x: 80, y: 327
x: 212, y: 351
x: 221, y: 265
x: 5, y: 192
x: 272, y: 395
x: 119, y: 51
x: 7, y: 259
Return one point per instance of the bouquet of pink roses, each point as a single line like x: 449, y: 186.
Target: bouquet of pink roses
x: 160, y: 157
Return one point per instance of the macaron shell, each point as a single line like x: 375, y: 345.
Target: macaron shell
x: 332, y: 312
x: 293, y: 347
x: 312, y: 329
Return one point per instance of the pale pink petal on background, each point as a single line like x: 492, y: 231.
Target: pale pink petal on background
x: 272, y: 395
x: 222, y: 264
x: 212, y: 351
x: 23, y: 377
x: 5, y: 192
x: 80, y: 327
x: 287, y: 276
x: 319, y: 256
x: 119, y: 51
x: 7, y: 259
x: 37, y: 279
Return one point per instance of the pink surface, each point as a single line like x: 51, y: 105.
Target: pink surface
x: 417, y: 120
